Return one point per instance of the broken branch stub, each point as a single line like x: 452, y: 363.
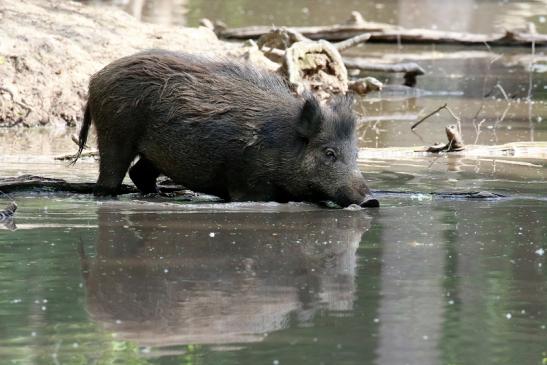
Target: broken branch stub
x: 455, y: 141
x: 365, y: 85
x: 280, y: 38
x: 274, y: 43
x: 352, y: 42
x: 410, y: 69
x: 317, y: 67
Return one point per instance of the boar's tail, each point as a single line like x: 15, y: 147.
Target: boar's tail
x: 82, y: 138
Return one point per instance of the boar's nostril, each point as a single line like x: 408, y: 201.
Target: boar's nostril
x: 370, y: 203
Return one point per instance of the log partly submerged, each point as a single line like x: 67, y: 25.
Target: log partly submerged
x: 39, y: 183
x: 30, y: 182
x: 514, y: 150
x: 392, y: 34
x: 45, y: 184
x: 410, y: 69
x: 388, y: 33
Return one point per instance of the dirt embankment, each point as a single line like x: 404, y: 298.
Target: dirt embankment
x: 50, y: 48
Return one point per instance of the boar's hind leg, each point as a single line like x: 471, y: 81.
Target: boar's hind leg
x: 144, y: 175
x: 114, y: 160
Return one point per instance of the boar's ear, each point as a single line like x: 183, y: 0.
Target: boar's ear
x: 311, y: 118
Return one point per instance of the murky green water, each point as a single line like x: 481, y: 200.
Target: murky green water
x: 417, y: 281
x: 422, y: 280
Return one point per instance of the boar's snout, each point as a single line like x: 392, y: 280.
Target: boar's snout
x: 357, y: 192
x: 370, y: 202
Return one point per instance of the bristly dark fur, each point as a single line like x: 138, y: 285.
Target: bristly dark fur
x: 219, y: 127
x: 342, y: 116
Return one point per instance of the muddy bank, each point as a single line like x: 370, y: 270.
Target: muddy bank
x: 48, y: 50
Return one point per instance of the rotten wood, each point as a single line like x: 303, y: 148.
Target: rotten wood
x: 280, y: 38
x: 315, y: 66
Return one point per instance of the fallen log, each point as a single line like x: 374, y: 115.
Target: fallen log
x: 38, y: 183
x: 514, y: 150
x: 44, y: 184
x: 473, y: 195
x: 388, y: 33
x: 30, y: 182
x: 427, y: 36
x: 362, y: 64
x: 333, y: 33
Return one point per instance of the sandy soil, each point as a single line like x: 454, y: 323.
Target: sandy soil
x: 49, y: 49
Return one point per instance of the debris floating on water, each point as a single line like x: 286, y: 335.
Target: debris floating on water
x: 8, y: 212
x: 6, y: 216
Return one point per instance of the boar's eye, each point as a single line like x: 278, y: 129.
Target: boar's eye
x: 329, y: 152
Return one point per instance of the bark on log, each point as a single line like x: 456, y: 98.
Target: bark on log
x: 352, y: 42
x: 386, y: 33
x: 338, y: 32
x: 410, y: 69
x: 364, y: 65
x: 30, y: 182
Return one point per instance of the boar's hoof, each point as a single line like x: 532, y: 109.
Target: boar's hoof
x: 370, y: 203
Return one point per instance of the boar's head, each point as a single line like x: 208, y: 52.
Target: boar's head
x: 328, y: 160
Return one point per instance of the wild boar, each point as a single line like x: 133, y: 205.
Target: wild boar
x: 221, y: 128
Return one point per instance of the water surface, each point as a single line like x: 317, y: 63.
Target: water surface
x: 422, y: 280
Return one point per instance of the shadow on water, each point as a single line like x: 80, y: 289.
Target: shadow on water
x: 172, y: 279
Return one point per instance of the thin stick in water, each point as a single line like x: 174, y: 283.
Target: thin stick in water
x: 456, y: 119
x: 502, y: 90
x: 427, y: 116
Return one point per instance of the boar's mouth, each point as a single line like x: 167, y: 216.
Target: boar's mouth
x: 370, y: 202
x: 362, y: 197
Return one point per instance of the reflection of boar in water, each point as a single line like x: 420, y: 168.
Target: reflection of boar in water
x: 220, y: 128
x: 164, y: 279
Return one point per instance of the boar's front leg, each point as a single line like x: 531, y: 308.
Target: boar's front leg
x: 144, y: 175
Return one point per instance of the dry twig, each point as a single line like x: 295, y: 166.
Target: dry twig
x: 352, y: 42
x: 428, y: 116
